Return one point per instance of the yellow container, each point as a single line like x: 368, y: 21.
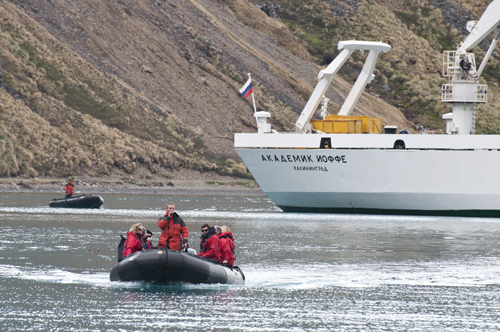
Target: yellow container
x: 339, y: 124
x: 347, y: 126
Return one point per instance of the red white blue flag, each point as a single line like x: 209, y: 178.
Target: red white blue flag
x: 247, y: 89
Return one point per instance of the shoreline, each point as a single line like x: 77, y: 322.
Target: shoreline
x: 91, y: 185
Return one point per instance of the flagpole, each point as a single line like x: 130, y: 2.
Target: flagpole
x: 253, y: 99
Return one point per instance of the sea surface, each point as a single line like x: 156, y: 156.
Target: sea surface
x: 304, y: 272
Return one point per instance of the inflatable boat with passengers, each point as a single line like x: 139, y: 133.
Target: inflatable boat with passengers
x: 164, y: 266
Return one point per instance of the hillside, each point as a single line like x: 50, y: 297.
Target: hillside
x: 149, y: 88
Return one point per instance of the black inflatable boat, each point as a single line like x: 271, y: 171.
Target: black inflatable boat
x: 164, y: 266
x: 91, y: 201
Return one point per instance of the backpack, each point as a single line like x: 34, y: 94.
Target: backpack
x: 121, y: 247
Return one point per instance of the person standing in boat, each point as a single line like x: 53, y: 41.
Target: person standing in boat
x: 68, y: 188
x: 226, y: 246
x: 174, y: 232
x: 134, y: 240
x: 209, y: 243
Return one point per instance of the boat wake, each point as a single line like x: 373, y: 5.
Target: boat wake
x: 58, y: 276
x: 52, y: 275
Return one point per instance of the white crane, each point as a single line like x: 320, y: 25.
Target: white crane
x: 464, y: 90
x: 325, y: 77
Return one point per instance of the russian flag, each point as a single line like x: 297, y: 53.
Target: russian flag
x: 247, y: 89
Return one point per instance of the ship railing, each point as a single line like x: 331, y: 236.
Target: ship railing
x: 451, y: 65
x: 478, y: 93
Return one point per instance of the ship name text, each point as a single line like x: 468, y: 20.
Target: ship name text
x: 290, y: 158
x: 310, y: 168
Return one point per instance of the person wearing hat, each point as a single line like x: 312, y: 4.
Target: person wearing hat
x: 174, y: 232
x: 134, y: 240
x: 147, y: 240
x: 68, y: 188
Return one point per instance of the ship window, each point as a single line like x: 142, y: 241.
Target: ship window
x: 399, y: 144
x: 326, y: 143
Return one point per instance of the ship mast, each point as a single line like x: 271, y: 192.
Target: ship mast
x: 464, y: 91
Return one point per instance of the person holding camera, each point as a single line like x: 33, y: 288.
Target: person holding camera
x: 174, y: 232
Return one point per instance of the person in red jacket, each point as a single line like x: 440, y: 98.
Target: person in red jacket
x: 68, y: 188
x: 134, y: 240
x: 173, y: 230
x: 226, y: 246
x: 209, y: 243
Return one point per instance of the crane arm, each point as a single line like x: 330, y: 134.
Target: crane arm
x: 326, y: 75
x: 486, y: 24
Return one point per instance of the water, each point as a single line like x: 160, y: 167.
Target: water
x: 305, y: 272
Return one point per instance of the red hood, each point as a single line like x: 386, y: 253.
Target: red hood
x: 226, y: 234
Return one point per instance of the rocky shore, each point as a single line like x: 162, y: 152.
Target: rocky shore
x: 185, y: 185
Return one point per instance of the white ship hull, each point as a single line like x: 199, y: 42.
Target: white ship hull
x: 320, y: 168
x: 435, y: 174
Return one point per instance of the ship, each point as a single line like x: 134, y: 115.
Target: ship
x: 350, y: 164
